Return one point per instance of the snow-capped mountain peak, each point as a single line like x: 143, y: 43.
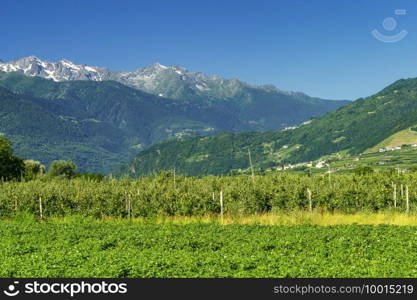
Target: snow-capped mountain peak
x: 62, y: 70
x: 69, y: 64
x: 167, y: 81
x: 159, y: 66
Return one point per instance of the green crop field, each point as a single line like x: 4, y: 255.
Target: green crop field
x: 123, y: 249
x: 172, y: 226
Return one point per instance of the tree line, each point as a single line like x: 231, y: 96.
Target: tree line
x: 13, y: 168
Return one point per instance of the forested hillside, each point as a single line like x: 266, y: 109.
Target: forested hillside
x: 353, y: 128
x: 102, y: 125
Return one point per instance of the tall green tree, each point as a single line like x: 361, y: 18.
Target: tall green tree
x: 33, y: 169
x: 11, y: 167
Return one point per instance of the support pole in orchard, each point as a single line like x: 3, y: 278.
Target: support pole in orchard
x: 175, y: 182
x: 126, y: 202
x: 40, y: 208
x: 310, y: 203
x: 251, y: 166
x: 402, y: 191
x: 129, y: 212
x: 407, y: 200
x: 330, y: 179
x: 394, y: 186
x: 221, y: 204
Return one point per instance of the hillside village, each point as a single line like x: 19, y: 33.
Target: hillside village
x: 396, y: 148
x: 405, y: 155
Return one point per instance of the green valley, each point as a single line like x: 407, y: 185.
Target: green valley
x: 352, y: 129
x: 101, y: 125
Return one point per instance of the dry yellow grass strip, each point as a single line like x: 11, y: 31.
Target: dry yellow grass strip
x: 302, y: 217
x: 276, y: 218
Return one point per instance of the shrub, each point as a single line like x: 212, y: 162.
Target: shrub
x: 62, y: 168
x: 365, y: 170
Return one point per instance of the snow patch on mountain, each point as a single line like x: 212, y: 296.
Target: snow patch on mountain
x: 62, y: 70
x: 169, y: 81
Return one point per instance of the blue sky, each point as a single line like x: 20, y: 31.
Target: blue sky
x: 323, y: 48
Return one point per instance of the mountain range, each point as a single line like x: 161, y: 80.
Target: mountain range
x: 166, y: 81
x: 352, y: 129
x: 101, y: 118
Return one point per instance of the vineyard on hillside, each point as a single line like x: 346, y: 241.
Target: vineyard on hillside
x: 169, y: 195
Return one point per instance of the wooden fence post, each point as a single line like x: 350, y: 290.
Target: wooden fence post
x: 310, y: 203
